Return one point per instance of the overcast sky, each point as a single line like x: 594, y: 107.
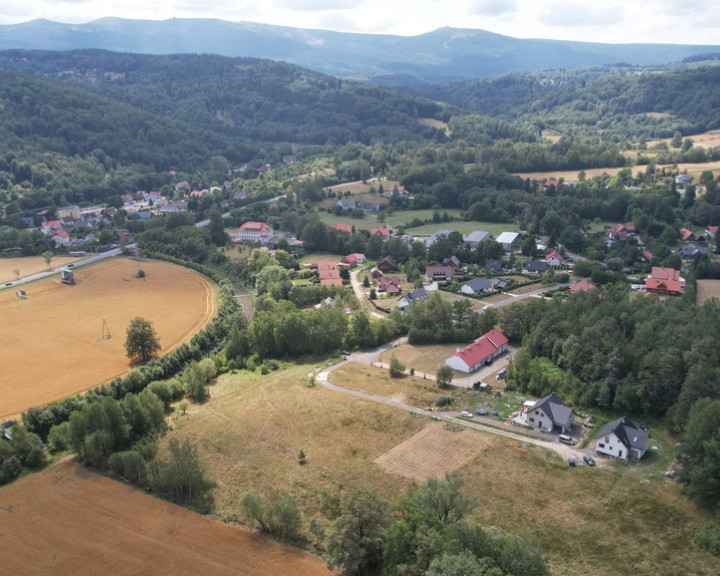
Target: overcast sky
x: 614, y: 21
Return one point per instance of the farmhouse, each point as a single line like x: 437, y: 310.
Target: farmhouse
x: 622, y: 439
x: 419, y: 295
x: 508, y: 240
x: 550, y: 414
x: 254, y: 232
x: 482, y: 351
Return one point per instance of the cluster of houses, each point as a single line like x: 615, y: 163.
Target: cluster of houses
x: 620, y: 438
x: 73, y: 219
x: 263, y: 234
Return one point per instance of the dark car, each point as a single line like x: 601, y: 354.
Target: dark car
x: 643, y: 425
x: 571, y: 463
x: 481, y: 411
x: 589, y: 460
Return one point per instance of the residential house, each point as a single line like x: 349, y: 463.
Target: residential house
x: 583, y: 285
x: 399, y: 191
x: 551, y: 182
x: 508, y: 240
x: 664, y: 281
x: 498, y: 284
x: 329, y: 274
x: 326, y: 303
x: 254, y: 232
x: 687, y: 252
x: 480, y: 352
x: 687, y: 235
x: 376, y: 273
x: 431, y: 239
x: 549, y: 414
x: 622, y: 439
x: 682, y: 179
x: 386, y: 264
x: 340, y: 227
x: 352, y: 260
x: 371, y: 207
x: 383, y: 231
x: 711, y: 231
x: 535, y: 267
x: 389, y: 285
x: 493, y: 265
x: 346, y: 203
x: 453, y: 261
x: 621, y: 231
x: 60, y: 238
x: 439, y: 273
x: 476, y: 286
x: 474, y: 239
x: 418, y: 295
x: 554, y: 259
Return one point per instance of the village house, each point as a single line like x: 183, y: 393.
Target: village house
x: 346, y: 203
x: 687, y: 235
x: 621, y: 231
x: 549, y: 414
x: 535, y: 267
x: 439, y: 273
x: 407, y: 301
x: 493, y: 265
x: 498, y: 283
x: 386, y: 264
x: 480, y: 352
x: 370, y: 207
x: 389, y: 285
x: 254, y: 232
x: 622, y: 439
x: 341, y: 227
x: 383, y: 231
x: 476, y: 286
x: 554, y: 259
x: 583, y: 285
x: 352, y: 260
x: 665, y: 281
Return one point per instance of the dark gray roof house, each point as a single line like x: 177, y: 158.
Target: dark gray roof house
x: 535, y: 267
x: 419, y: 295
x: 346, y: 203
x: 475, y: 286
x: 495, y: 265
x: 550, y: 414
x: 622, y: 439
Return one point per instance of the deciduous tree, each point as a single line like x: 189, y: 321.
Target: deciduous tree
x: 142, y: 342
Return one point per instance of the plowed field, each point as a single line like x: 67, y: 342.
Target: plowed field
x: 67, y: 520
x: 52, y: 343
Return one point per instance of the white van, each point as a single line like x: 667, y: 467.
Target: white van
x: 565, y: 439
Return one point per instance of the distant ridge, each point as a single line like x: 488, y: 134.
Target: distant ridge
x: 444, y: 55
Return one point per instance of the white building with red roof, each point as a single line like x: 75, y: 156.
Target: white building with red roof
x: 555, y: 259
x: 254, y: 232
x: 664, y: 281
x: 480, y: 352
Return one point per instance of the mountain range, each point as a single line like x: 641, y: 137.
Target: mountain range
x: 441, y: 56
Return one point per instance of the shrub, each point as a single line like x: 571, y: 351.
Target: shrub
x: 443, y: 401
x: 129, y: 465
x: 10, y: 469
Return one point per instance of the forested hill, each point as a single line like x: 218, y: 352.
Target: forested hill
x: 258, y: 100
x: 626, y: 102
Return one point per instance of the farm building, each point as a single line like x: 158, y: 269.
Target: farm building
x: 508, y: 240
x: 622, y: 439
x: 482, y: 351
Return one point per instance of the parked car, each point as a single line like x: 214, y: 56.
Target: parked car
x: 481, y: 411
x: 345, y: 352
x: 571, y: 463
x: 589, y: 460
x: 466, y: 414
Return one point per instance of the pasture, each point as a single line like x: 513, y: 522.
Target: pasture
x: 52, y: 341
x: 68, y: 520
x: 618, y: 519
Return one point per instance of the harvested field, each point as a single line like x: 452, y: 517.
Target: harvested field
x: 29, y: 266
x: 67, y: 520
x: 707, y: 290
x: 433, y: 451
x: 51, y: 341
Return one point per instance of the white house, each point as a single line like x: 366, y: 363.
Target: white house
x: 622, y: 439
x: 475, y: 286
x: 554, y: 259
x: 508, y: 240
x: 483, y: 350
x: 549, y: 414
x: 254, y: 232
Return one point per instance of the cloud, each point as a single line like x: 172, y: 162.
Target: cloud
x: 492, y: 7
x: 572, y: 13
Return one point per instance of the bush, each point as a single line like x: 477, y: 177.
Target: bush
x: 59, y: 438
x: 10, y: 469
x: 162, y: 390
x: 443, y: 401
x: 129, y: 465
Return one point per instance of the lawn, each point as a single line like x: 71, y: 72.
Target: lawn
x: 625, y: 520
x: 427, y: 358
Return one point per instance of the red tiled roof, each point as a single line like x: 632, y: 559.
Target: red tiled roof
x: 554, y: 254
x: 582, y: 286
x: 482, y: 348
x: 256, y: 227
x: 663, y: 286
x: 382, y: 230
x: 340, y: 227
x: 660, y: 273
x: 686, y: 234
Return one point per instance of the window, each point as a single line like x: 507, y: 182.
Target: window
x: 532, y: 419
x: 601, y: 445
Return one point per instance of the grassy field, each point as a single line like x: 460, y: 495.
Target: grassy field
x: 400, y: 219
x: 29, y: 266
x: 625, y: 520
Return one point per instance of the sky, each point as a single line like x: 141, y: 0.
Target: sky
x: 611, y: 21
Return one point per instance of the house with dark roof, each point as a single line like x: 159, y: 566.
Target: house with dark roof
x: 474, y: 239
x: 407, y: 301
x: 498, y: 283
x: 478, y: 353
x: 371, y: 207
x: 549, y: 414
x: 346, y: 203
x: 622, y: 439
x: 476, y: 286
x: 387, y: 263
x: 389, y: 285
x: 493, y: 265
x: 430, y: 240
x: 535, y: 267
